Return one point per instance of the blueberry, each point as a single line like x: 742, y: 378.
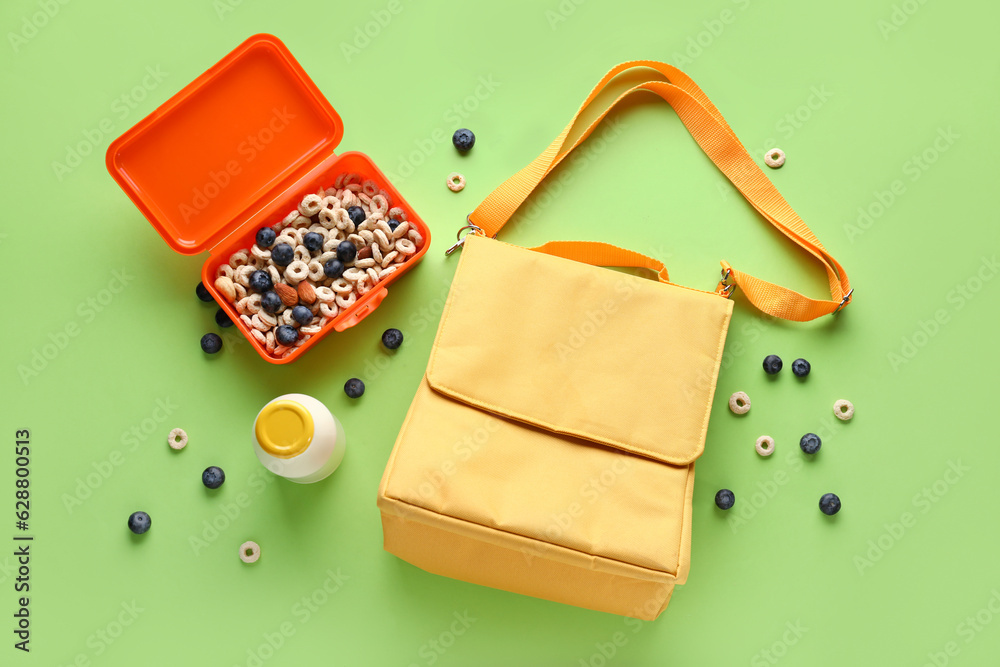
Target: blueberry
x: 357, y: 214
x: 810, y: 443
x: 346, y: 252
x: 354, y: 388
x: 282, y: 254
x: 139, y: 522
x: 393, y: 224
x: 801, y: 368
x: 392, y: 338
x: 286, y: 334
x: 222, y: 319
x: 333, y: 268
x: 772, y: 364
x: 265, y: 237
x: 302, y: 315
x: 213, y: 477
x: 313, y: 241
x: 829, y: 504
x: 463, y: 139
x: 260, y: 281
x: 211, y: 343
x: 203, y: 292
x: 270, y: 301
x: 725, y: 499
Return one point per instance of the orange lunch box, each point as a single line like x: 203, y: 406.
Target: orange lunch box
x: 236, y: 150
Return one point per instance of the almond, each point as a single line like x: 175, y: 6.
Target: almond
x: 307, y: 292
x: 365, y: 252
x: 288, y: 295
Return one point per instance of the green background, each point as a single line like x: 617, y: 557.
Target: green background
x: 857, y: 93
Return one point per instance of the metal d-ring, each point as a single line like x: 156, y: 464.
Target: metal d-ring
x: 727, y: 288
x: 843, y: 302
x: 472, y: 227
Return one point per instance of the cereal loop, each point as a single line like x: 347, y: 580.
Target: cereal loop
x: 238, y: 259
x: 774, y: 158
x: 311, y: 204
x: 297, y: 271
x: 380, y: 204
x: 396, y: 213
x: 249, y: 552
x: 177, y: 439
x: 739, y: 403
x: 843, y: 409
x: 764, y: 445
x: 406, y: 246
x: 456, y: 182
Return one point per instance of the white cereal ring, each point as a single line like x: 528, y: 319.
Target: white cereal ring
x: 301, y: 341
x: 314, y: 306
x: 328, y: 217
x: 357, y: 240
x: 259, y: 335
x: 376, y: 253
x: 353, y: 275
x: 349, y: 199
x: 328, y: 310
x: 316, y: 272
x: 286, y: 317
x: 401, y: 230
x: 406, y: 246
x: 367, y: 237
x: 296, y: 272
x: 343, y: 221
x: 330, y: 202
x: 380, y: 203
x: 238, y: 258
x: 415, y: 236
x: 456, y: 182
x: 764, y: 445
x: 385, y: 272
x: 302, y: 254
x: 346, y: 302
x: 362, y: 287
x: 397, y: 213
x: 310, y: 329
x: 366, y: 263
x: 224, y: 270
x: 327, y: 256
x: 256, y: 251
x: 311, y: 204
x: 383, y: 239
x: 241, y: 292
x: 249, y: 552
x: 774, y: 158
x: 177, y: 439
x: 242, y: 275
x: 325, y: 295
x: 268, y: 318
x: 739, y: 403
x: 388, y: 257
x: 226, y: 288
x: 300, y: 222
x: 247, y: 321
x: 280, y: 350
x: 373, y: 275
x: 253, y: 304
x: 259, y: 324
x: 339, y: 286
x: 275, y: 274
x: 290, y: 218
x: 843, y: 409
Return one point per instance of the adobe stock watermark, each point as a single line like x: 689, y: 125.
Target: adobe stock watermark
x: 771, y: 655
x: 901, y: 13
x: 462, y: 450
x: 434, y: 648
x: 967, y: 630
x: 33, y: 23
x: 922, y: 503
x: 223, y: 8
x: 785, y: 128
x: 94, y: 137
x: 560, y: 12
x: 365, y: 34
x: 86, y: 312
x: 131, y: 439
x: 229, y: 512
x: 301, y: 612
x: 957, y: 298
x: 578, y: 162
x: 589, y: 493
x: 103, y: 637
x: 454, y: 117
x: 703, y: 40
x: 245, y: 152
x: 912, y: 170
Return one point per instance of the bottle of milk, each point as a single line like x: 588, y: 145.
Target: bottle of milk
x: 296, y: 437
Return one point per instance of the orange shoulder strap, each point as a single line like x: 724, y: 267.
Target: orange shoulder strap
x: 717, y: 139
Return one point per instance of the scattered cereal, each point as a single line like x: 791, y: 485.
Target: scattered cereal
x: 249, y: 552
x: 177, y: 439
x: 843, y: 409
x: 774, y: 158
x: 739, y: 403
x: 764, y: 445
x: 456, y: 182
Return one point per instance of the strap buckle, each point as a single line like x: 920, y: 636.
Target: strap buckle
x: 846, y: 300
x: 473, y: 229
x: 725, y: 289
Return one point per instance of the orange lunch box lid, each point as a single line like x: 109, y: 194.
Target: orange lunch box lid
x: 239, y: 134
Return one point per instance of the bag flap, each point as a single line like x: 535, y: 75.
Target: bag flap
x: 621, y: 361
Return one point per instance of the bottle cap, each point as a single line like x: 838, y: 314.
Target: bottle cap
x: 284, y: 429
